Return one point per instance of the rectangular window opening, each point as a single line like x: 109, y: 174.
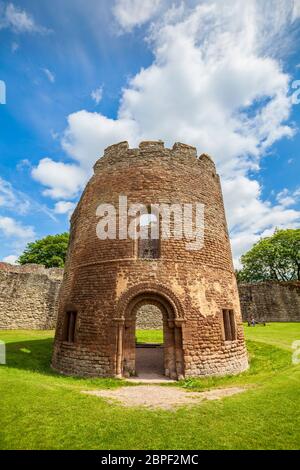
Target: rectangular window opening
x: 148, y: 249
x: 229, y: 325
x: 70, y: 326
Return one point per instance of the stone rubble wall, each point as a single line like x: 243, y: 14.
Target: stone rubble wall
x: 271, y: 301
x: 149, y: 317
x: 28, y: 296
x: 29, y: 293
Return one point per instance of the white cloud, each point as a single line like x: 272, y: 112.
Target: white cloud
x: 12, y: 199
x: 288, y: 198
x: 49, y: 75
x: 88, y: 134
x: 251, y: 218
x: 131, y: 13
x: 11, y: 259
x: 15, y: 236
x: 64, y: 180
x: 97, y: 94
x: 6, y: 193
x: 215, y: 83
x: 64, y: 207
x: 19, y: 21
x: 296, y: 10
x: 12, y: 228
x: 14, y: 204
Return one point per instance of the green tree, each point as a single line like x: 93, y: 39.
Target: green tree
x: 50, y: 251
x: 273, y: 258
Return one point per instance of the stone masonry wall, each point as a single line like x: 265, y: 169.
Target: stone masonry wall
x: 28, y: 296
x: 271, y: 301
x: 149, y: 317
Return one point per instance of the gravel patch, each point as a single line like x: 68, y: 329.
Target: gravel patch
x: 155, y: 396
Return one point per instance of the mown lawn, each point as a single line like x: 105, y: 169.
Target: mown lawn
x: 277, y: 334
x: 149, y: 336
x: 42, y: 410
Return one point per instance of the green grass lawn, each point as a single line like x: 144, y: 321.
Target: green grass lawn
x: 277, y: 334
x: 149, y: 336
x: 42, y: 410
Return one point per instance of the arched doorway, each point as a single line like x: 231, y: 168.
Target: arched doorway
x: 149, y: 349
x: 168, y: 357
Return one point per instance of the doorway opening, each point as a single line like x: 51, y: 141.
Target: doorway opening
x: 149, y: 342
x: 152, y: 353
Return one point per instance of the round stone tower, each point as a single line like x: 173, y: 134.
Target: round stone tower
x: 108, y: 278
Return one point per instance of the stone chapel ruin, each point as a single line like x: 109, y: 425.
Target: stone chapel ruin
x: 106, y: 282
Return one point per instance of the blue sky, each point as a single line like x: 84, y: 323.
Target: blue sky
x: 82, y: 75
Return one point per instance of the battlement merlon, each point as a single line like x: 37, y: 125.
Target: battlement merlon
x: 207, y: 159
x: 151, y: 147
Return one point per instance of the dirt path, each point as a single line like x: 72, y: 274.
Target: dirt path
x: 155, y: 396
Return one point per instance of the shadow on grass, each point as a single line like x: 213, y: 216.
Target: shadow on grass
x: 35, y: 356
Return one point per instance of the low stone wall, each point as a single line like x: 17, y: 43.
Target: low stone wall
x: 28, y: 296
x: 271, y: 301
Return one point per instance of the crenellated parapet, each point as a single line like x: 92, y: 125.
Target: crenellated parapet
x: 151, y: 149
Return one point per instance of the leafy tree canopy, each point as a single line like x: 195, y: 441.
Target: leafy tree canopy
x: 50, y: 251
x: 273, y: 258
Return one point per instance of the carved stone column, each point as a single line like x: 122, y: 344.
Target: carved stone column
x: 119, y: 349
x: 172, y: 373
x: 179, y: 348
x: 129, y: 352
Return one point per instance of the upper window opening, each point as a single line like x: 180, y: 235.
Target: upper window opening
x: 149, y: 241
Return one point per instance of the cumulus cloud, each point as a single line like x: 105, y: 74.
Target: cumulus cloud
x: 249, y: 217
x: 64, y: 207
x: 18, y: 20
x: 15, y: 235
x: 296, y: 9
x: 131, y: 13
x: 215, y: 83
x: 65, y: 180
x: 13, y: 228
x: 88, y: 134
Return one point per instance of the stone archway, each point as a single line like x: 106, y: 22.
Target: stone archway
x: 173, y: 321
